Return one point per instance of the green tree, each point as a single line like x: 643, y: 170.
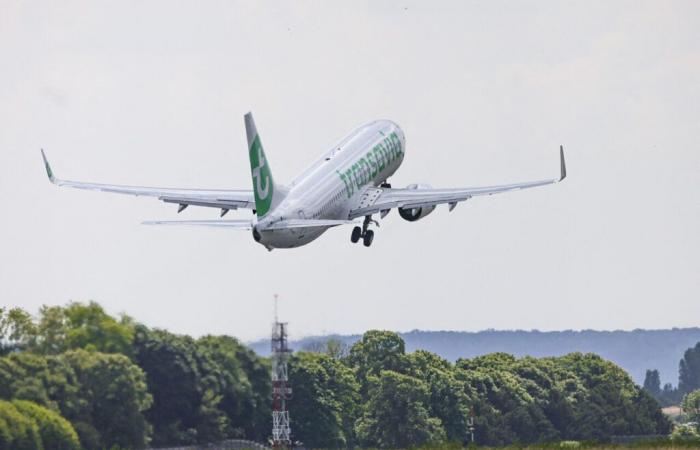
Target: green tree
x: 58, y: 329
x: 90, y: 327
x: 396, y: 414
x: 652, y: 383
x: 325, y: 403
x: 511, y: 399
x: 448, y: 400
x: 685, y: 433
x: 203, y: 390
x: 691, y: 407
x: 243, y: 382
x: 172, y: 372
x: 16, y: 329
x: 51, y: 330
x: 258, y: 418
x: 670, y: 395
x: 376, y: 351
x: 28, y: 376
x: 55, y: 431
x: 17, y: 431
x: 610, y: 403
x: 689, y: 370
x: 114, y: 396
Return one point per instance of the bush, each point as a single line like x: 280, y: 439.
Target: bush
x: 55, y: 431
x: 685, y: 432
x: 17, y: 432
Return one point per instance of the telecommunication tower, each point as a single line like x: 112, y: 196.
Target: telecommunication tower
x: 281, y: 391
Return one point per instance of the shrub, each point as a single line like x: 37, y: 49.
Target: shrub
x: 55, y: 431
x: 17, y: 432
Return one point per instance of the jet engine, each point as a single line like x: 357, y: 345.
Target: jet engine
x: 413, y: 214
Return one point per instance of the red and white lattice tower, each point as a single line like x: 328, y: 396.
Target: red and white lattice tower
x: 281, y: 391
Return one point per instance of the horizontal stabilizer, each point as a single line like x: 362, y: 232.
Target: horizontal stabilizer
x: 237, y: 224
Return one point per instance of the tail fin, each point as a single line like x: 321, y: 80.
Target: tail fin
x: 267, y: 195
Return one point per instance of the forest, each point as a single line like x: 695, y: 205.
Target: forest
x: 75, y: 377
x: 633, y: 350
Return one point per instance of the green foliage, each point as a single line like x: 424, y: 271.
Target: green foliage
x: 396, y: 414
x: 578, y: 396
x: 16, y: 329
x: 59, y: 329
x: 85, y: 326
x: 205, y: 390
x: 119, y: 383
x: 48, y: 381
x: 256, y: 409
x: 685, y: 433
x: 652, y: 382
x: 242, y: 382
x: 102, y: 395
x: 691, y: 407
x: 173, y: 375
x: 689, y: 370
x: 448, y: 399
x: 376, y: 351
x: 17, y: 431
x: 113, y: 398
x: 89, y: 327
x: 325, y: 402
x: 55, y: 431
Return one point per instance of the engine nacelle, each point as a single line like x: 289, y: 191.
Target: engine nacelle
x: 413, y: 214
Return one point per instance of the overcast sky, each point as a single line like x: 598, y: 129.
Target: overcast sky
x: 153, y: 93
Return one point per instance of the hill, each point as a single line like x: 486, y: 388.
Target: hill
x: 635, y: 351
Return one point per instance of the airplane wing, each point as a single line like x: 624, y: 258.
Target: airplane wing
x: 223, y: 199
x: 381, y: 200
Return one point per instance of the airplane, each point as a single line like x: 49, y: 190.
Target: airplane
x: 348, y: 182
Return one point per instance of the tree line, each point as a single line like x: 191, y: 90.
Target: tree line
x: 688, y: 379
x: 80, y: 378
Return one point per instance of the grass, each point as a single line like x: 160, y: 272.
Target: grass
x: 664, y: 444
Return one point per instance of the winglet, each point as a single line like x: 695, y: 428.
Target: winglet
x: 563, y: 163
x: 49, y: 172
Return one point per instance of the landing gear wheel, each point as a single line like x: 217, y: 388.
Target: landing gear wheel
x: 368, y: 238
x: 356, y: 235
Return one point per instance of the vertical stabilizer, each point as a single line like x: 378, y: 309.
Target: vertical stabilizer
x: 264, y: 189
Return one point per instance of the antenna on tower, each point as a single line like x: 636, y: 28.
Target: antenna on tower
x: 281, y: 392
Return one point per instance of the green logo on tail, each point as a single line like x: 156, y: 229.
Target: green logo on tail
x: 262, y: 178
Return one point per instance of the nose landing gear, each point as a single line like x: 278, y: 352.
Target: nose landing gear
x: 365, y: 233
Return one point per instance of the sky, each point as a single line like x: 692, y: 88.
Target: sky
x: 154, y: 93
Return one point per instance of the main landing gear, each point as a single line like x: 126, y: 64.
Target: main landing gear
x: 364, y: 233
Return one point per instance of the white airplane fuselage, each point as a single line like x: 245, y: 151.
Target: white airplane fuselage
x: 334, y: 183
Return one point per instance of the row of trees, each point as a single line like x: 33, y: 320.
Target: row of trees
x: 380, y: 396
x: 688, y: 379
x: 120, y: 383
